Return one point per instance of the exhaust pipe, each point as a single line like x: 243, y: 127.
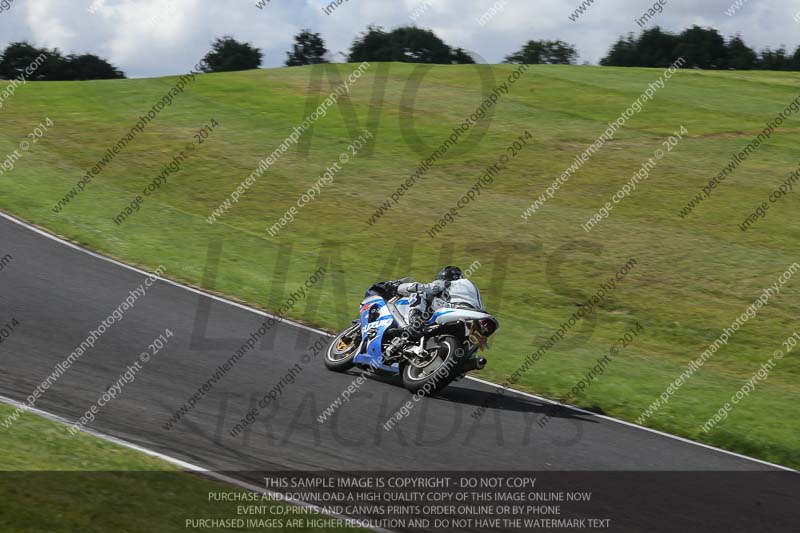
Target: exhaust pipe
x: 475, y: 364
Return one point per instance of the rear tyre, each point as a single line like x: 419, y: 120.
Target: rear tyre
x: 343, y: 349
x: 428, y: 377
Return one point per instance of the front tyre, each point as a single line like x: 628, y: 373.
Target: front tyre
x: 435, y: 373
x: 343, y: 349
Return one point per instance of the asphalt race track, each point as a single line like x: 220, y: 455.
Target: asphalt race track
x: 58, y: 294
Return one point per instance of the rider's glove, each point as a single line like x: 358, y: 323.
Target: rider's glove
x: 406, y: 289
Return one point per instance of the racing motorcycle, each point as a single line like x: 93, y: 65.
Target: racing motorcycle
x: 447, y: 350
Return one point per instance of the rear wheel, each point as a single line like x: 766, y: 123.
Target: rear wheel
x: 343, y: 349
x: 435, y: 372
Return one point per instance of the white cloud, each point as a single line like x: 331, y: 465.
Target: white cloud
x: 46, y: 26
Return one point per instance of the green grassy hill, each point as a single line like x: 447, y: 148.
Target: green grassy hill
x: 693, y: 276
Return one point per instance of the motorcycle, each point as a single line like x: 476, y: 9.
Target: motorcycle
x: 447, y: 350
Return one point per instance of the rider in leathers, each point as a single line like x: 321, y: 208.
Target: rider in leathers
x: 449, y: 289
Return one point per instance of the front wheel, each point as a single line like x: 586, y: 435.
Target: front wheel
x: 428, y: 376
x: 343, y: 349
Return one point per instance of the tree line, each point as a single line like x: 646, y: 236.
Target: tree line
x: 703, y: 48
x: 410, y: 44
x: 20, y: 58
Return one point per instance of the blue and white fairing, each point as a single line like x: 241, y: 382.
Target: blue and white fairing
x: 446, y: 315
x: 373, y: 331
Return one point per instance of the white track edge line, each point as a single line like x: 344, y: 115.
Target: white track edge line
x: 297, y: 324
x: 636, y: 426
x: 160, y: 278
x: 179, y: 463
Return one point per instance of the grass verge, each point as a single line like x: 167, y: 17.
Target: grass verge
x: 51, y: 481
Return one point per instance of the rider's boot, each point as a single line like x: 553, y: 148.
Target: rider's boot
x: 411, y: 334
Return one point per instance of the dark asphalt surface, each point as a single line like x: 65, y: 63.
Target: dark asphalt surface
x: 58, y: 294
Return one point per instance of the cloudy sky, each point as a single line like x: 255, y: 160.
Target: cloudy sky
x: 160, y: 37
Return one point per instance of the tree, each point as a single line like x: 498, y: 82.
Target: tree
x: 407, y: 44
x: 656, y: 48
x: 739, y: 55
x: 88, y: 67
x: 775, y: 59
x: 702, y: 48
x: 17, y: 56
x: 624, y: 53
x: 51, y: 65
x: 227, y: 54
x: 373, y: 45
x: 544, y: 52
x: 459, y: 56
x: 309, y: 49
x: 796, y: 59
